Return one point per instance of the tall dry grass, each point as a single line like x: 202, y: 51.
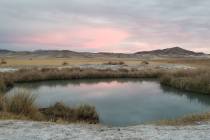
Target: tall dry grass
x: 188, y: 80
x: 32, y: 75
x: 21, y: 103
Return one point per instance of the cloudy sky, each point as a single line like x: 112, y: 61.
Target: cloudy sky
x: 105, y: 25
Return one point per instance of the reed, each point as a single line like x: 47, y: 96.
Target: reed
x: 195, y: 80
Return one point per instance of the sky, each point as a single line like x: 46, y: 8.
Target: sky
x: 105, y: 25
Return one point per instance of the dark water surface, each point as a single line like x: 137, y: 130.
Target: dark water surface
x: 121, y: 102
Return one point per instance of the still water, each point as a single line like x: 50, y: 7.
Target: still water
x: 120, y: 102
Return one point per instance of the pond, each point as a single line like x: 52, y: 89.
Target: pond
x: 122, y: 102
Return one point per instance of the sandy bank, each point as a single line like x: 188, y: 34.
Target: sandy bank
x: 26, y: 130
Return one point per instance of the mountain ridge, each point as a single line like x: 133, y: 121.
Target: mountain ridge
x: 171, y: 51
x: 174, y: 51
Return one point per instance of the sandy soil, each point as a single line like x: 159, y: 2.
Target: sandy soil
x: 26, y: 130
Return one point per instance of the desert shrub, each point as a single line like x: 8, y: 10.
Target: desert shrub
x: 87, y: 113
x: 145, y: 62
x: 58, y: 111
x: 115, y: 63
x: 65, y: 63
x: 3, y: 62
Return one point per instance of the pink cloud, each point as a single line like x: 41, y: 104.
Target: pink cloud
x: 84, y: 37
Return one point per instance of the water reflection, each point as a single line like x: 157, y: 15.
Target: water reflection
x: 121, y: 102
x: 199, y: 97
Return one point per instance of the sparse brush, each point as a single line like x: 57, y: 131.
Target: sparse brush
x: 3, y: 62
x: 65, y: 63
x: 145, y: 62
x: 59, y: 111
x: 115, y: 63
x: 87, y: 113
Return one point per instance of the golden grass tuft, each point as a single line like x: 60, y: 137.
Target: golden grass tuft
x: 22, y: 103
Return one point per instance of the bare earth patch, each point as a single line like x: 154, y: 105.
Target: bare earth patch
x: 27, y: 130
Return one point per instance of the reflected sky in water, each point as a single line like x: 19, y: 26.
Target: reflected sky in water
x: 120, y: 102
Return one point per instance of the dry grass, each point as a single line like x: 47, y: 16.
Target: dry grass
x: 2, y: 85
x: 187, y: 120
x: 59, y: 111
x: 145, y: 62
x: 1, y: 103
x: 188, y: 80
x: 115, y: 63
x: 195, y: 62
x: 3, y: 62
x: 11, y: 116
x: 33, y: 75
x: 40, y: 62
x: 21, y: 62
x: 65, y: 63
x: 20, y: 105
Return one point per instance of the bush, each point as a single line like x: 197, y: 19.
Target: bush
x: 58, y: 111
x: 145, y: 62
x: 3, y: 62
x: 115, y: 63
x: 65, y: 63
x: 87, y: 113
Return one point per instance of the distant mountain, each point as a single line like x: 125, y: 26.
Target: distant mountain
x: 175, y: 51
x: 5, y: 51
x: 169, y: 52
